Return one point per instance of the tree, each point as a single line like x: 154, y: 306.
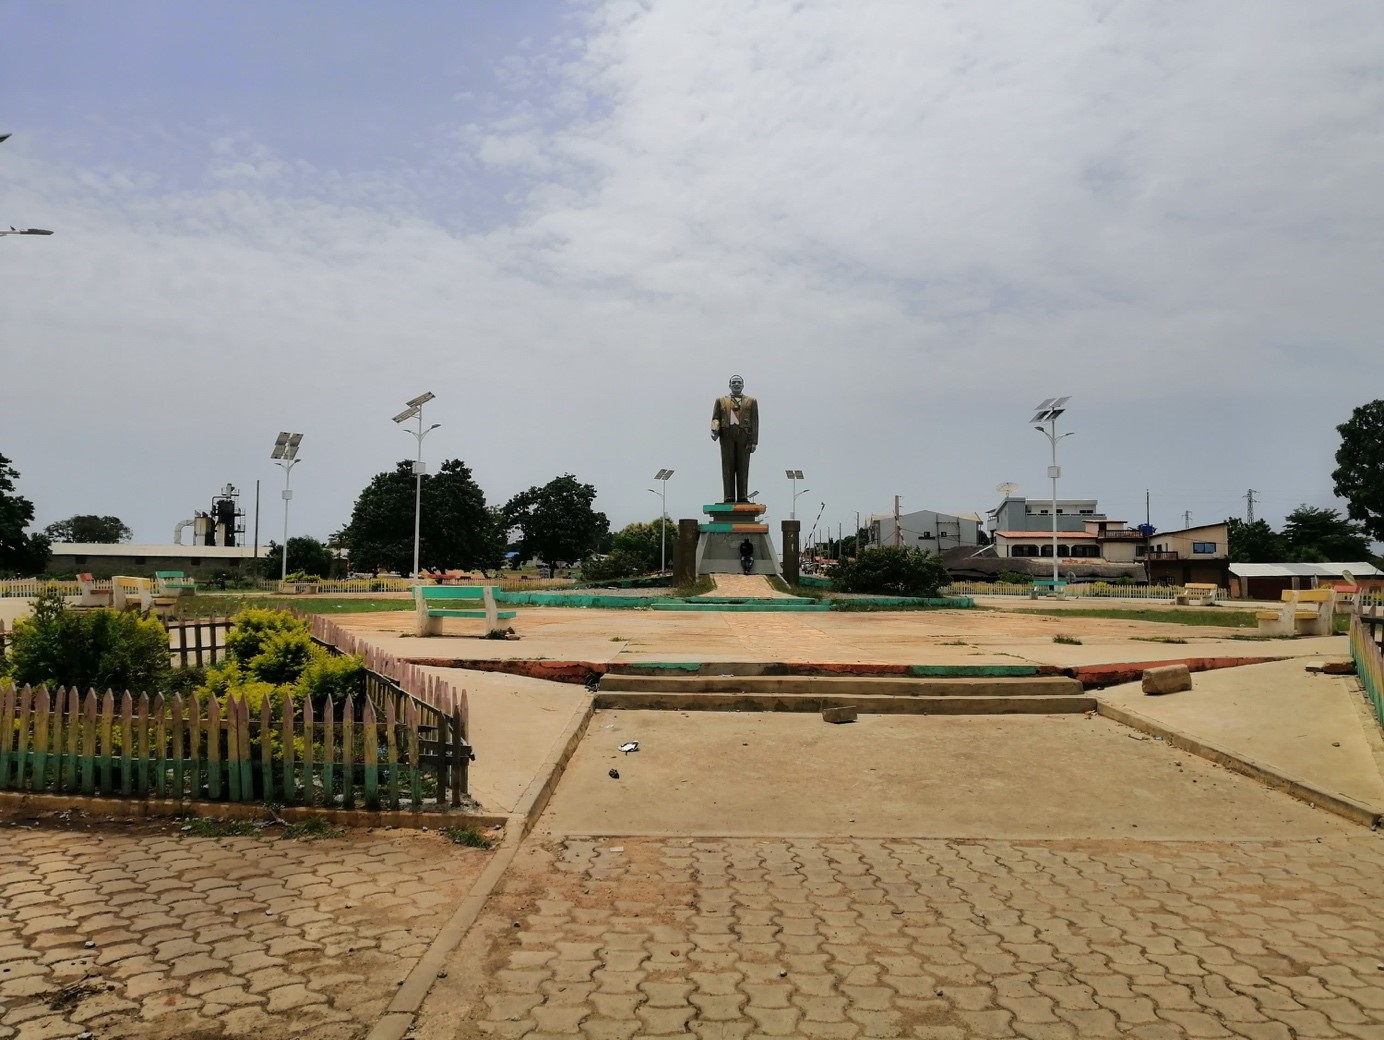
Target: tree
x: 892, y: 571
x: 643, y: 545
x: 1255, y: 542
x: 20, y: 553
x: 556, y: 522
x: 306, y: 555
x: 87, y: 527
x: 456, y: 529
x: 1359, y: 474
x: 1317, y: 534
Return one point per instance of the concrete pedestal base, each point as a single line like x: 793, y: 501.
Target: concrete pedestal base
x: 718, y: 552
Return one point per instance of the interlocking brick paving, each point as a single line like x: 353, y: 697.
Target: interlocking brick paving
x: 845, y: 938
x: 150, y: 932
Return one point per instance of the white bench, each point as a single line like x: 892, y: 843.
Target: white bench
x: 88, y: 595
x: 1305, y: 612
x: 1196, y: 594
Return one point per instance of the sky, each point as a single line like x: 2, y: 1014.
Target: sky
x: 905, y: 224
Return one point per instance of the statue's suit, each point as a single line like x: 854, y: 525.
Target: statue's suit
x: 736, y: 425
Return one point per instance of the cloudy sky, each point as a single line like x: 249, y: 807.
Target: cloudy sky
x: 905, y: 223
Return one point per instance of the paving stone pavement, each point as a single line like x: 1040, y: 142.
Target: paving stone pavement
x: 845, y: 938
x: 161, y: 934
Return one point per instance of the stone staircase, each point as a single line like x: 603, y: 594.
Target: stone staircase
x: 871, y: 695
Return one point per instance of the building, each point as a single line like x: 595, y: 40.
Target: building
x: 1193, y: 554
x: 1268, y: 581
x: 926, y: 529
x: 1196, y: 554
x: 105, y: 560
x: 1020, y: 514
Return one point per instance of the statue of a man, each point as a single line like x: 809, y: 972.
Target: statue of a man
x: 735, y: 423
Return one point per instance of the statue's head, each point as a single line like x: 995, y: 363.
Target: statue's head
x: 737, y: 385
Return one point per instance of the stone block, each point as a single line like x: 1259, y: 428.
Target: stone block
x: 844, y: 713
x: 1170, y: 678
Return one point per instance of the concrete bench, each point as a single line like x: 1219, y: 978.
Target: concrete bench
x: 432, y: 603
x: 1196, y: 594
x: 1305, y: 612
x: 88, y: 595
x: 1047, y: 587
x: 174, y: 583
x: 141, y: 594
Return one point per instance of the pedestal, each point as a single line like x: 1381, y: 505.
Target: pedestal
x: 719, y: 537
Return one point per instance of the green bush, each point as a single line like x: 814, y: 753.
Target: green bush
x: 89, y: 649
x: 270, y: 654
x: 891, y: 571
x: 1013, y: 578
x: 618, y: 564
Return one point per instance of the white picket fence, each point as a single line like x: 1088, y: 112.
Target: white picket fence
x: 1095, y: 590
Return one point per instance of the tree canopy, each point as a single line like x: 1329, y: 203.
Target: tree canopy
x: 1359, y: 473
x: 891, y: 571
x: 556, y: 522
x: 456, y: 529
x: 1255, y: 542
x: 1317, y: 534
x: 20, y: 553
x: 87, y: 527
x: 306, y: 555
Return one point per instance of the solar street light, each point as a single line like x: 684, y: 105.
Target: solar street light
x: 285, y: 456
x: 663, y: 475
x: 1047, y: 412
x: 415, y: 408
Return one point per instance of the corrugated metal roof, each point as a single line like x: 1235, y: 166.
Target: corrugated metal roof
x: 1304, y: 570
x: 126, y: 549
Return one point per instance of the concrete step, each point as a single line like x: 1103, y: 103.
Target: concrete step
x: 842, y: 686
x: 867, y: 704
x: 808, y: 668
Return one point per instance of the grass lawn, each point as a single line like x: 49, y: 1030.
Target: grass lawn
x: 224, y: 605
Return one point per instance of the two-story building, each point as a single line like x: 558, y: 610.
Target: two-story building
x: 927, y: 529
x: 1199, y: 554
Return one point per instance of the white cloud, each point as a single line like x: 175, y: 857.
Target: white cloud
x: 903, y: 222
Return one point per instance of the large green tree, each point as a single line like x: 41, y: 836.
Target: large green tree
x: 1315, y: 533
x: 1255, y: 542
x: 20, y: 553
x: 1359, y: 473
x: 648, y: 545
x: 456, y: 528
x: 306, y: 555
x: 556, y: 522
x: 87, y: 527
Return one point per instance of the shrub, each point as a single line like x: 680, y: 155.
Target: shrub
x: 1013, y: 578
x: 328, y: 675
x: 252, y: 626
x: 618, y: 564
x: 891, y: 571
x: 93, y: 649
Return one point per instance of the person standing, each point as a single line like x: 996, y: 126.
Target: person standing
x: 735, y: 423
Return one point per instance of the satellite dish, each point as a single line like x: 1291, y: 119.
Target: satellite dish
x: 1006, y: 488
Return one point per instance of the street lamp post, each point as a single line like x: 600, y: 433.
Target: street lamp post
x: 662, y: 475
x: 285, y: 456
x: 795, y: 475
x: 1047, y: 412
x: 415, y: 408
x: 21, y: 231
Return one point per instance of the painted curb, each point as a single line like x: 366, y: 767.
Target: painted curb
x: 1348, y: 808
x: 171, y: 808
x: 399, y: 1017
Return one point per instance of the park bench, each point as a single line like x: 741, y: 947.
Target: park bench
x: 1047, y: 587
x: 1304, y: 612
x: 88, y: 595
x: 141, y: 594
x: 174, y: 583
x: 435, y: 602
x: 1196, y: 594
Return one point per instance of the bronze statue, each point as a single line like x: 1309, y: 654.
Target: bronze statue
x: 735, y: 423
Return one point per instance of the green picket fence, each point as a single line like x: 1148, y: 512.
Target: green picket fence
x: 1366, y: 635
x: 397, y: 755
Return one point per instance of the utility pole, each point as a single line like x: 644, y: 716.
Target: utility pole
x: 1249, y: 510
x: 898, y: 529
x: 1186, y: 518
x: 1147, y: 517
